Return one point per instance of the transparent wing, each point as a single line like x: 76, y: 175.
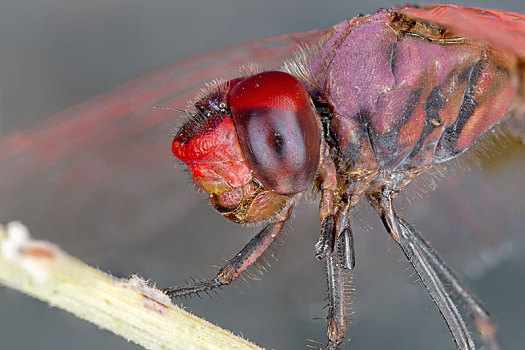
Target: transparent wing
x: 104, y: 167
x: 98, y: 179
x: 501, y: 29
x: 504, y: 30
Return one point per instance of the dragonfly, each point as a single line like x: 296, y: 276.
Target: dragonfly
x: 134, y: 101
x: 378, y: 102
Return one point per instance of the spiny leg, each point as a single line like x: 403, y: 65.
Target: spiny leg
x: 336, y: 302
x: 335, y: 246
x: 457, y: 288
x: 335, y: 217
x: 473, y: 306
x: 345, y: 237
x: 337, y: 235
x: 338, y: 252
x: 325, y: 245
x: 340, y: 258
x: 327, y: 186
x: 238, y: 264
x: 345, y: 249
x: 432, y: 279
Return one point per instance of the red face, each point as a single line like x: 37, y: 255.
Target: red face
x: 253, y: 144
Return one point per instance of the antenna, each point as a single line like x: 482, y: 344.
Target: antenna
x: 170, y: 109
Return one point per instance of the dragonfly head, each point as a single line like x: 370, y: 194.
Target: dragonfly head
x: 252, y: 144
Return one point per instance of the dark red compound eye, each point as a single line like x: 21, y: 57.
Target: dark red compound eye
x: 277, y: 130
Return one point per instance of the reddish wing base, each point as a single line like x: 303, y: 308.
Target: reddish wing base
x: 500, y: 29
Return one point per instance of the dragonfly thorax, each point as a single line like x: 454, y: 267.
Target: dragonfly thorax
x: 402, y: 98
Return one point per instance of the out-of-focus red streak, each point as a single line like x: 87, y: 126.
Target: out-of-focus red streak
x: 504, y: 30
x: 117, y: 127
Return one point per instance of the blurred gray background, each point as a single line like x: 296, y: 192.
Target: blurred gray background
x: 56, y: 53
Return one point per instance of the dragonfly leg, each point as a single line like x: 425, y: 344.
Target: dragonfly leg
x: 470, y: 302
x: 335, y: 230
x: 336, y: 235
x: 336, y: 302
x: 335, y: 218
x: 339, y: 259
x: 433, y: 280
x: 327, y: 185
x: 325, y: 245
x: 345, y: 237
x: 339, y: 256
x: 238, y: 264
x: 345, y: 249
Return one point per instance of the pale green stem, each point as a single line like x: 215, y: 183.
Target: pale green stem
x: 129, y: 308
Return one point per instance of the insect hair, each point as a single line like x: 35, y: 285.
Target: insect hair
x: 488, y: 146
x: 249, y: 69
x: 214, y: 86
x: 299, y: 65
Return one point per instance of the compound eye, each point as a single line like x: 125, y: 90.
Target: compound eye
x: 277, y: 130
